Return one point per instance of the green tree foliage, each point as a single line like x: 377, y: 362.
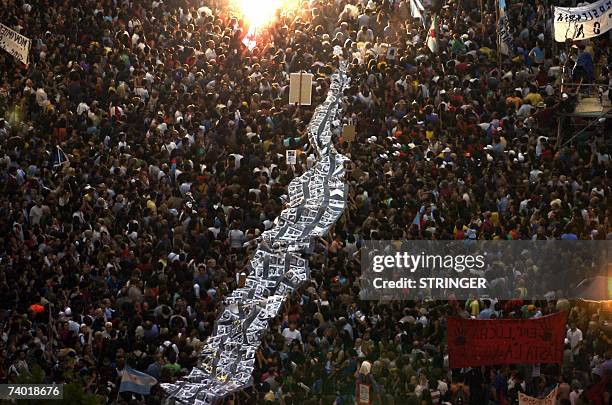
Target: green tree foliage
x: 74, y: 393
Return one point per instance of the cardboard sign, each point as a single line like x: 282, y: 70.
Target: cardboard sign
x: 300, y: 88
x: 391, y: 53
x: 291, y: 157
x: 349, y: 132
x: 473, y: 343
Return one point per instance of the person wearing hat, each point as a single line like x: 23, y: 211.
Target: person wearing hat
x: 545, y: 115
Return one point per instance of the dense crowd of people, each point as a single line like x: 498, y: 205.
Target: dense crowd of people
x: 144, y: 147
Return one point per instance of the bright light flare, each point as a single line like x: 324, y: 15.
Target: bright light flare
x: 260, y: 13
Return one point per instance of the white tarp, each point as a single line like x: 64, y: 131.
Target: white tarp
x: 583, y: 22
x: 15, y: 43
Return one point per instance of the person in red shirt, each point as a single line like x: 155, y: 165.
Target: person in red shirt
x: 542, y: 77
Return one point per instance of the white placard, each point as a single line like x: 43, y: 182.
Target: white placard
x: 583, y: 22
x: 364, y: 394
x: 15, y: 43
x: 291, y: 157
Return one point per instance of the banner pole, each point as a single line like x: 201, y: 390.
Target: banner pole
x: 498, y: 37
x: 458, y: 12
x: 550, y: 16
x: 482, y: 22
x: 300, y: 91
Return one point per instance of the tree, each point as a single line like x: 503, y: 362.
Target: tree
x: 74, y: 394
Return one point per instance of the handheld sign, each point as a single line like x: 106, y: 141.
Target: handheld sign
x: 550, y: 399
x: 15, y: 43
x: 364, y: 394
x: 300, y: 88
x: 291, y: 157
x: 348, y: 132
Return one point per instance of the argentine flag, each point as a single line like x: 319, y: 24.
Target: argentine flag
x: 136, y: 381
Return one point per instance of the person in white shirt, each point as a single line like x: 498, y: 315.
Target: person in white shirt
x: 36, y: 213
x: 574, y: 335
x: 576, y: 392
x: 210, y: 52
x: 236, y: 237
x: 365, y: 35
x: 291, y: 333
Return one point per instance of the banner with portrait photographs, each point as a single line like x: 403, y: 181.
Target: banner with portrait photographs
x: 279, y: 266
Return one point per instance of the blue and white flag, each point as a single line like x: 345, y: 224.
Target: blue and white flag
x: 136, y: 381
x: 417, y: 218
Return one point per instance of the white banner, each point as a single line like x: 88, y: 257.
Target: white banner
x: 583, y: 22
x: 550, y: 399
x: 15, y: 43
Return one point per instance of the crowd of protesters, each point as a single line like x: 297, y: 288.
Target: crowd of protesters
x: 144, y: 146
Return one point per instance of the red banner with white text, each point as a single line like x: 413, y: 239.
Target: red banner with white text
x: 474, y: 342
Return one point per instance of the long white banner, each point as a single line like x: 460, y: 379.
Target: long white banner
x: 583, y: 22
x: 15, y: 43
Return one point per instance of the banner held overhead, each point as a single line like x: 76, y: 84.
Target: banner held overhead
x: 473, y: 343
x: 15, y: 43
x: 584, y: 22
x: 550, y: 399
